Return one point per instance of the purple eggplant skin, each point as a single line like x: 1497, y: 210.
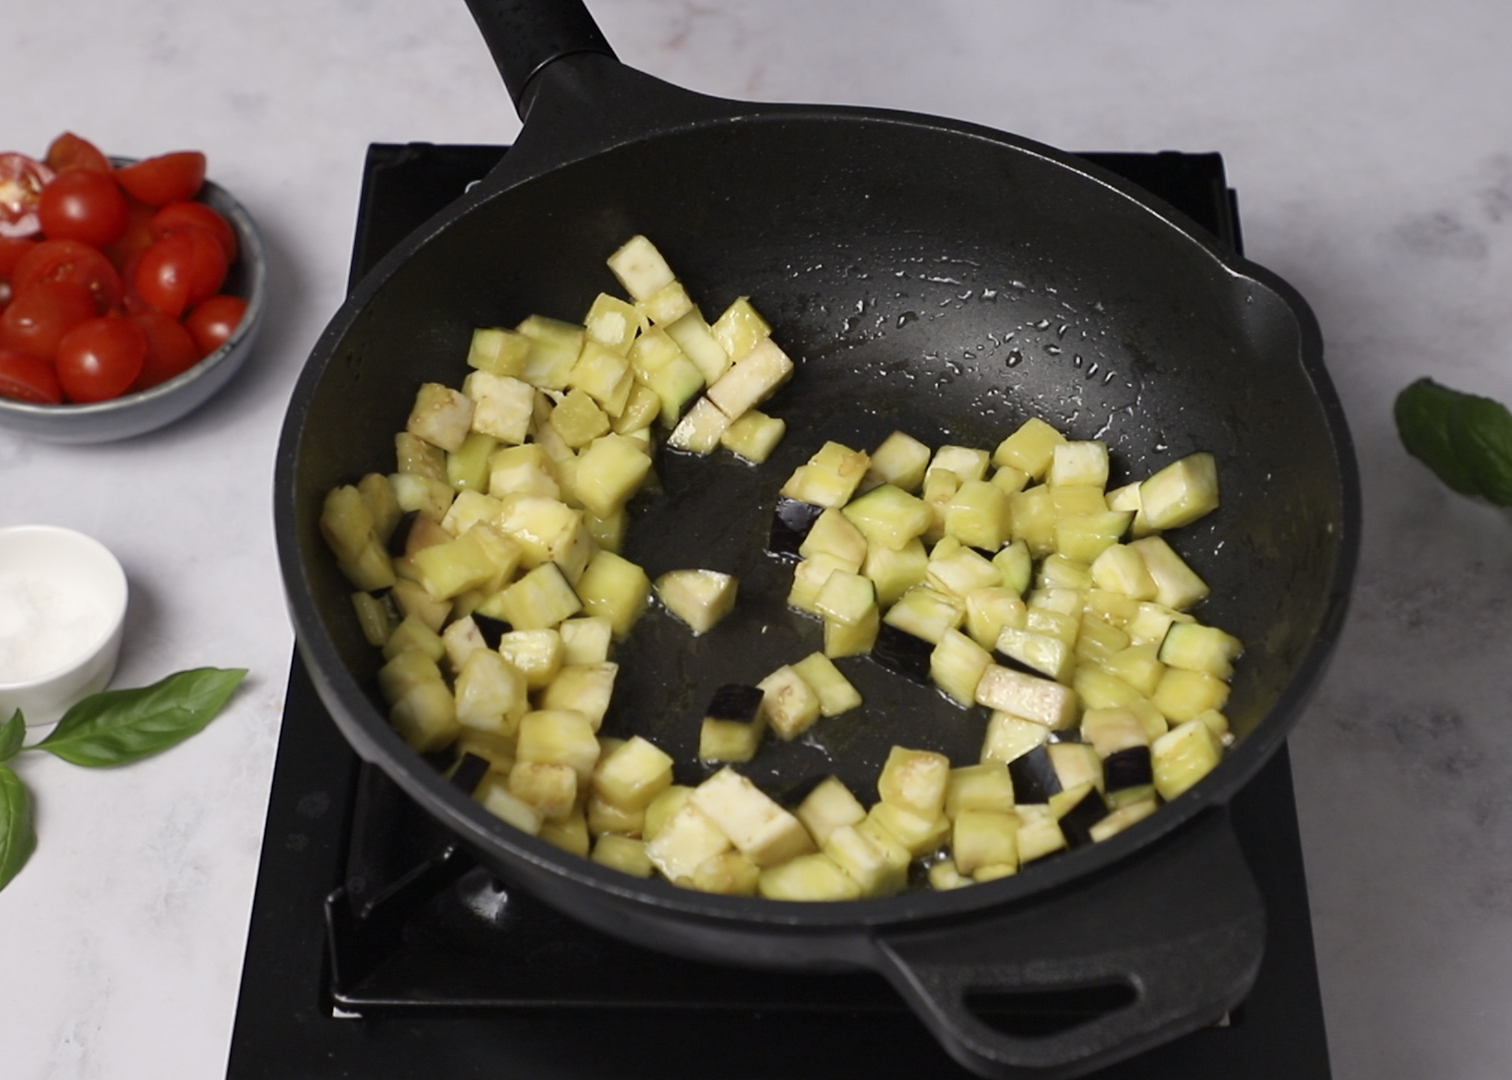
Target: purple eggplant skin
x: 791, y: 521
x: 1076, y: 823
x: 493, y: 630
x: 469, y: 773
x: 735, y: 701
x: 399, y: 538
x: 1128, y: 768
x: 1034, y: 776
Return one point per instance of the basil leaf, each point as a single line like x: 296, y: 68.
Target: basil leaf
x: 18, y: 833
x: 12, y: 735
x: 120, y: 726
x: 1423, y: 419
x: 1481, y: 433
x: 1464, y: 438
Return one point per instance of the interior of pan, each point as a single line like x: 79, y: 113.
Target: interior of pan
x: 925, y: 280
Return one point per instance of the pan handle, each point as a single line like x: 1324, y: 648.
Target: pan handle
x: 1182, y: 929
x: 524, y: 36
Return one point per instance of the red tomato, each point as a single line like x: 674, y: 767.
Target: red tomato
x: 76, y: 263
x: 21, y: 182
x: 11, y: 250
x: 213, y: 321
x: 180, y: 270
x: 41, y: 313
x: 170, y: 348
x: 69, y: 152
x: 25, y: 378
x: 178, y: 216
x: 137, y: 236
x: 99, y: 359
x: 166, y: 178
x: 84, y: 206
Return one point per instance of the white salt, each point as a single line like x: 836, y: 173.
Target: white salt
x: 44, y: 625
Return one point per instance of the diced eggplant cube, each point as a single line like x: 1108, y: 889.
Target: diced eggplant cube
x: 700, y: 598
x: 492, y: 629
x: 734, y: 701
x: 640, y: 268
x: 791, y: 705
x: 1128, y: 768
x: 469, y: 773
x: 1076, y: 823
x: 791, y: 521
x: 1010, y: 736
x: 400, y: 536
x: 1034, y: 776
x: 902, y: 653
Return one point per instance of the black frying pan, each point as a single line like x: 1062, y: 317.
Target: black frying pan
x: 928, y: 275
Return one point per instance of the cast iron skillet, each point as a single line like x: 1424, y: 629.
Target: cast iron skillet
x: 927, y: 275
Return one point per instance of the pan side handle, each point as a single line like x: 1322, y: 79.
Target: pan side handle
x: 524, y: 36
x: 1182, y: 930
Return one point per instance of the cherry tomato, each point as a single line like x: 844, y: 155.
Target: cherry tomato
x: 170, y: 348
x: 69, y: 152
x: 21, y: 182
x: 73, y: 262
x: 177, y: 216
x: 41, y: 313
x: 11, y: 250
x: 213, y: 321
x: 180, y: 270
x: 166, y: 178
x: 25, y: 378
x: 99, y: 359
x: 137, y: 236
x: 85, y: 206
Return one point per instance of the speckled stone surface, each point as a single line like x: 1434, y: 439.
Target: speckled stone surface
x: 1371, y: 144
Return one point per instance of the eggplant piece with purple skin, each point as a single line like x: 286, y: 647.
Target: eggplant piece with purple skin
x: 1034, y: 776
x: 1076, y: 823
x: 791, y: 521
x: 492, y: 629
x: 735, y: 701
x: 1128, y: 768
x: 399, y: 538
x: 902, y: 653
x: 469, y: 773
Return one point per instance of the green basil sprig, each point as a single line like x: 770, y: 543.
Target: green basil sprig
x: 1464, y: 438
x: 115, y: 727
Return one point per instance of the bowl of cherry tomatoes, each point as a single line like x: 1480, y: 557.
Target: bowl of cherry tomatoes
x: 130, y: 291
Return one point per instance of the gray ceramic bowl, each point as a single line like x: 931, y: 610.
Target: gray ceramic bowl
x: 134, y: 414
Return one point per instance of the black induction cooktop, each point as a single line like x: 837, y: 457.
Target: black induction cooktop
x: 378, y: 949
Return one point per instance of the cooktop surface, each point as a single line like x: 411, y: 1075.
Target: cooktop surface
x: 379, y: 949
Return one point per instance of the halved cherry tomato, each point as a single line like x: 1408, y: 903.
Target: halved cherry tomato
x: 178, y: 216
x: 85, y: 206
x: 180, y: 270
x: 166, y: 178
x: 69, y: 152
x: 25, y: 378
x: 74, y: 262
x: 137, y: 236
x: 170, y: 348
x: 11, y: 250
x: 213, y: 322
x: 21, y: 182
x: 41, y: 313
x: 99, y: 359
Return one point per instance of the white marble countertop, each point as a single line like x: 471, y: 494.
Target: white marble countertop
x: 1371, y: 144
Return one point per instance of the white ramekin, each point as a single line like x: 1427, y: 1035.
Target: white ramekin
x: 65, y: 560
